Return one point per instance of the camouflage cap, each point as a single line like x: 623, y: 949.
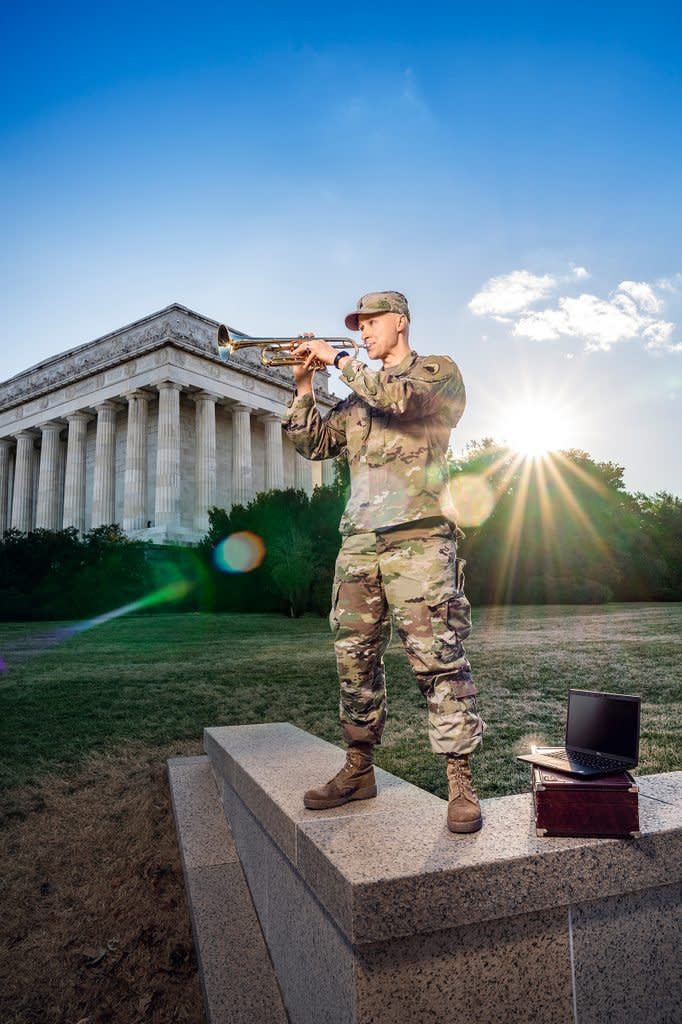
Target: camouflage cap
x: 378, y: 302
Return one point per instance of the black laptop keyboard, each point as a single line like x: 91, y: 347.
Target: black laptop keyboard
x: 589, y: 760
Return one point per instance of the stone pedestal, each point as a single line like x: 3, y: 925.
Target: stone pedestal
x: 135, y: 478
x: 374, y: 912
x: 237, y: 979
x: 103, y: 496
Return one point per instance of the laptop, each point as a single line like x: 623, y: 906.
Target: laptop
x: 602, y: 736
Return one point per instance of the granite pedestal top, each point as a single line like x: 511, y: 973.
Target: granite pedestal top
x: 388, y: 867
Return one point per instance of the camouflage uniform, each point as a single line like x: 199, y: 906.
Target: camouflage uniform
x: 399, y: 552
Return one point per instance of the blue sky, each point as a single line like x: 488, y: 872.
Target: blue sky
x: 514, y: 170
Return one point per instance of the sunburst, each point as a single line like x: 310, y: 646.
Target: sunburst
x: 535, y: 427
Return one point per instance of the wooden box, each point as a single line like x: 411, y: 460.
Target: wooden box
x: 567, y: 805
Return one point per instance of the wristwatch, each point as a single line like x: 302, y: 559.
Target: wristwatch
x: 338, y: 357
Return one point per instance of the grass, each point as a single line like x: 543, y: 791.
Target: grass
x: 95, y: 928
x: 159, y: 679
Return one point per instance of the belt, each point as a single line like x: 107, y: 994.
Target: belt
x: 416, y: 524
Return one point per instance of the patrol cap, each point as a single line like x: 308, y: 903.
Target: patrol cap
x: 378, y: 302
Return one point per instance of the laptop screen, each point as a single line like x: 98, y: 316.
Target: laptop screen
x: 604, y: 722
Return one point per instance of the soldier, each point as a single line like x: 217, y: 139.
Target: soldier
x: 398, y: 554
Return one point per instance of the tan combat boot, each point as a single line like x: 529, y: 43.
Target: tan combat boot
x: 464, y: 810
x: 355, y: 781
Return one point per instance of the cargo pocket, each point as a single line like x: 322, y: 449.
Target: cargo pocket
x: 459, y: 615
x: 333, y: 617
x: 451, y: 624
x: 459, y: 609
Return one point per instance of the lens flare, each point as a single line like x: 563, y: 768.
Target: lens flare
x: 529, y: 743
x: 42, y: 642
x: 240, y: 552
x: 468, y: 499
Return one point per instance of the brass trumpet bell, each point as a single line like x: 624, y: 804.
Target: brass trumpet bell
x: 274, y: 351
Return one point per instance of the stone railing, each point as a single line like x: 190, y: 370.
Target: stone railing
x: 375, y: 912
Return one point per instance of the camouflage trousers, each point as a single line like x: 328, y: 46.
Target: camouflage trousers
x: 412, y: 575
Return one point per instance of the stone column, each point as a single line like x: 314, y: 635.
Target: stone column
x: 167, y: 500
x: 104, y: 476
x: 274, y: 458
x: 74, y: 478
x: 47, y: 509
x: 242, y: 468
x: 302, y: 474
x: 205, y: 468
x: 34, y: 484
x: 135, y: 477
x: 328, y: 472
x: 6, y: 447
x: 22, y: 498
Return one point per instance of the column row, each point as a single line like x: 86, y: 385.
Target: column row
x: 51, y: 513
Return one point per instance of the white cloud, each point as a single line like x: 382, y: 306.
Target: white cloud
x: 600, y: 322
x: 670, y: 284
x: 542, y: 325
x: 580, y: 273
x: 643, y: 295
x: 659, y: 335
x: 629, y: 312
x: 510, y: 293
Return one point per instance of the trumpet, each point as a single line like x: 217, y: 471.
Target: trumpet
x: 274, y: 351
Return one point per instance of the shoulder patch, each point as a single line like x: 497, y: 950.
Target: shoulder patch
x: 433, y: 368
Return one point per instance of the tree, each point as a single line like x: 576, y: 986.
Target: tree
x: 292, y: 568
x: 563, y: 528
x: 55, y: 574
x: 300, y: 539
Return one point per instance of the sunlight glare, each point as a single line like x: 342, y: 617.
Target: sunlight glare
x: 467, y: 499
x: 534, y: 428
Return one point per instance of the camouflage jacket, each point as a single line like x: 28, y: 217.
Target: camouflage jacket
x: 394, y: 430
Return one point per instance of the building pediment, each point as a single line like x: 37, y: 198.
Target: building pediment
x: 175, y: 325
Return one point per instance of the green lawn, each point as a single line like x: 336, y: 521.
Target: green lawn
x: 157, y: 679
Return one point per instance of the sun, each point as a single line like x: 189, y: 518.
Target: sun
x: 535, y: 427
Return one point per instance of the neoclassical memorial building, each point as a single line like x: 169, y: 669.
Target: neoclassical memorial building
x: 147, y: 427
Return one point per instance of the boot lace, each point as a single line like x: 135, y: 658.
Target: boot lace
x: 459, y: 777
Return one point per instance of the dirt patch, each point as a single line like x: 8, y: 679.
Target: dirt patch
x: 95, y: 927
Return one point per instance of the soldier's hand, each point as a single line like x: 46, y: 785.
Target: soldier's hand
x: 317, y: 352
x: 303, y: 371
